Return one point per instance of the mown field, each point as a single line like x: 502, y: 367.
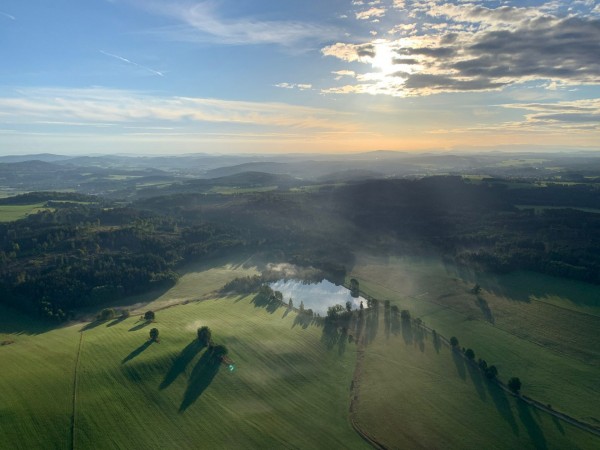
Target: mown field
x: 8, y: 213
x: 287, y: 389
x: 416, y: 394
x: 549, y: 341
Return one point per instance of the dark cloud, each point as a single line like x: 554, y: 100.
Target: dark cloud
x: 407, y: 61
x: 436, y: 52
x: 448, y: 83
x: 366, y: 50
x: 568, y: 117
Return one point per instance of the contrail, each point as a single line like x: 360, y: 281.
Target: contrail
x: 120, y: 58
x: 8, y: 15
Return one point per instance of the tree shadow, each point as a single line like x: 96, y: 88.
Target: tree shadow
x: 181, y: 362
x: 140, y: 326
x: 485, y: 310
x: 137, y: 351
x: 269, y: 304
x: 502, y: 405
x: 304, y: 320
x: 459, y: 362
x: 387, y: 322
x: 437, y: 342
x: 533, y: 429
x: 407, y: 333
x: 558, y: 425
x: 92, y: 325
x: 117, y: 321
x: 330, y: 335
x: 201, y: 377
x: 372, y: 325
x: 286, y: 312
x: 342, y: 341
x: 477, y: 379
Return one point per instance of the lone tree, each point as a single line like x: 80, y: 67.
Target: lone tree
x: 219, y: 351
x: 154, y: 334
x: 106, y: 314
x: 491, y: 372
x: 290, y: 304
x: 149, y: 316
x: 204, y: 335
x: 514, y: 384
x: 454, y: 342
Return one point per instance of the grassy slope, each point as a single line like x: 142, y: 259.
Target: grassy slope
x: 8, y: 213
x: 286, y: 385
x: 414, y: 396
x: 553, y: 350
x: 36, y: 383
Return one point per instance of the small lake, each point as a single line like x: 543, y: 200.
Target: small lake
x: 316, y: 296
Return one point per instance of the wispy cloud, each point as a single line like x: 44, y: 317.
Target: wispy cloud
x: 8, y: 16
x: 300, y: 86
x: 128, y: 61
x: 202, y: 22
x: 109, y: 106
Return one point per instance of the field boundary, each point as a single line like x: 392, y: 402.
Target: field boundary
x: 74, y: 396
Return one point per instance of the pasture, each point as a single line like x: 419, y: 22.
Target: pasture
x: 548, y: 340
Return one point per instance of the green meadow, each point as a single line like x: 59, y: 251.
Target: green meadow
x: 531, y: 329
x: 287, y: 388
x: 9, y: 213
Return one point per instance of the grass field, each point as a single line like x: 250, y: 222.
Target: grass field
x: 415, y: 394
x: 288, y: 388
x: 551, y: 345
x: 8, y: 213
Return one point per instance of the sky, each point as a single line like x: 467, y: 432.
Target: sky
x: 290, y: 76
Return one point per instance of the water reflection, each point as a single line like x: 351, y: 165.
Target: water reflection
x: 316, y: 296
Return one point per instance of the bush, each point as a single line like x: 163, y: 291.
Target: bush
x: 454, y: 341
x: 514, y: 384
x: 149, y: 316
x: 470, y: 354
x: 154, y: 334
x: 204, y: 335
x: 106, y: 314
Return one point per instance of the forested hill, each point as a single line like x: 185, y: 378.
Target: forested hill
x: 81, y: 250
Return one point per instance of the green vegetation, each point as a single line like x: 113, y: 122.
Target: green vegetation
x: 417, y: 393
x: 504, y: 330
x: 285, y: 386
x: 10, y: 213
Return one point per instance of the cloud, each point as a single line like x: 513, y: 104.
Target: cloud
x: 370, y: 13
x: 125, y: 60
x: 477, y: 49
x: 109, y: 106
x: 300, y: 86
x: 8, y: 16
x: 201, y: 22
x: 568, y: 114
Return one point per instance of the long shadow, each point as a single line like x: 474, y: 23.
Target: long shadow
x: 117, y: 321
x: 140, y: 326
x: 285, y: 313
x: 437, y: 343
x: 330, y: 335
x: 502, y: 405
x: 558, y: 425
x: 459, y: 362
x: 181, y: 362
x: 304, y: 320
x: 485, y: 310
x: 263, y: 301
x: 407, y: 333
x: 202, y: 376
x: 343, y: 339
x: 477, y: 379
x: 372, y: 325
x: 533, y: 429
x: 137, y: 351
x: 92, y: 325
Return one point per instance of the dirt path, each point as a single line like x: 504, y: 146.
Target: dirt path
x: 74, y: 399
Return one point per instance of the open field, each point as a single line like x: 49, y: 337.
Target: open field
x: 416, y: 394
x: 8, y: 213
x: 551, y: 345
x: 131, y: 394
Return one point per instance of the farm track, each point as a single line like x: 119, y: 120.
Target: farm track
x: 74, y: 396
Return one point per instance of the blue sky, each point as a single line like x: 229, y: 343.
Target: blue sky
x: 233, y: 76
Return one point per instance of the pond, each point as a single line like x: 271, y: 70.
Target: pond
x: 316, y: 296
